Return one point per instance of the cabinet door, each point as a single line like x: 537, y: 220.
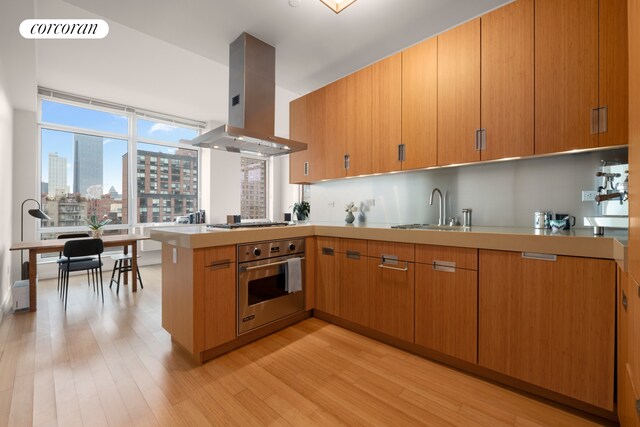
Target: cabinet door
x: 459, y: 93
x: 634, y: 140
x: 566, y: 74
x: 447, y: 310
x: 614, y: 72
x: 299, y: 131
x: 316, y: 105
x: 327, y: 286
x: 391, y: 298
x: 219, y: 296
x: 386, y: 116
x: 354, y: 287
x: 420, y: 104
x: 549, y: 322
x: 507, y: 81
x: 335, y: 143
x: 359, y: 103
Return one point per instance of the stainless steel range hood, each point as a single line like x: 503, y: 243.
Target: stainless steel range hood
x: 252, y: 91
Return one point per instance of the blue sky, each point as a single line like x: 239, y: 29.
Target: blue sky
x: 61, y: 142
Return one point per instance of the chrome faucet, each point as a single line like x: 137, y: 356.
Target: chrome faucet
x: 441, y: 215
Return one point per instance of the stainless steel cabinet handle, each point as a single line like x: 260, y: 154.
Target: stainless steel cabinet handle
x: 306, y: 168
x: 447, y: 266
x: 624, y: 300
x: 347, y: 161
x: 539, y: 256
x: 256, y: 267
x: 603, y: 119
x: 353, y: 254
x: 327, y: 251
x: 478, y: 131
x: 483, y: 139
x: 595, y: 118
x: 220, y: 265
x: 395, y: 268
x: 401, y: 152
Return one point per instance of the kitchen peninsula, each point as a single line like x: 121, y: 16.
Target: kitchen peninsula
x: 480, y: 300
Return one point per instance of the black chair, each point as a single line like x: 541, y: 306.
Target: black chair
x: 74, y: 249
x: 62, y: 259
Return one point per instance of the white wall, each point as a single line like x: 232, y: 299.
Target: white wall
x: 6, y: 171
x: 502, y: 193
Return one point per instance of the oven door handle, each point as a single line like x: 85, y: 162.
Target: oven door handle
x: 256, y: 267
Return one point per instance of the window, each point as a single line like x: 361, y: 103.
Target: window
x: 253, y: 196
x: 90, y: 154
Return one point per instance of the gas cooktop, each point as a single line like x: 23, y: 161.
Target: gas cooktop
x: 248, y: 225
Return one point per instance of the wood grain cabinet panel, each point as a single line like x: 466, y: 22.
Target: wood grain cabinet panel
x: 420, y: 104
x: 327, y: 276
x: 386, y: 116
x: 299, y: 130
x: 507, y: 81
x: 566, y: 74
x: 549, y: 323
x: 316, y: 110
x: 354, y: 284
x: 634, y: 140
x: 220, y: 298
x: 359, y: 127
x: 336, y: 123
x: 459, y: 93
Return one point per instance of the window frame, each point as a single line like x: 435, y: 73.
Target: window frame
x: 132, y: 115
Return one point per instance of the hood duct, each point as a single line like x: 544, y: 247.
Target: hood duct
x: 252, y: 92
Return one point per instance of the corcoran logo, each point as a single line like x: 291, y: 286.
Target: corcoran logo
x: 64, y: 29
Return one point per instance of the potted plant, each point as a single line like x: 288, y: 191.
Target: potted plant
x: 96, y: 226
x: 302, y: 210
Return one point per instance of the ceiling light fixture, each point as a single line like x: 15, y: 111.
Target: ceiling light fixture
x: 338, y: 5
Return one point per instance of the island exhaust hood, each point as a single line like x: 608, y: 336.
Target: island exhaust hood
x: 252, y: 91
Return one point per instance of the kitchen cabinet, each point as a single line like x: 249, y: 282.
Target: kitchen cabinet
x: 628, y: 346
x: 327, y: 276
x: 386, y: 116
x: 446, y: 300
x: 634, y: 140
x: 336, y: 119
x: 507, y: 95
x: 613, y: 63
x: 299, y: 130
x: 353, y: 278
x: 219, y: 295
x: 419, y: 107
x: 359, y: 128
x: 566, y: 74
x: 306, y: 124
x: 459, y: 93
x: 391, y: 288
x: 549, y: 321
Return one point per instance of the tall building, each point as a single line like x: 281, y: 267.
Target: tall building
x: 167, y: 185
x: 87, y: 165
x: 57, y: 176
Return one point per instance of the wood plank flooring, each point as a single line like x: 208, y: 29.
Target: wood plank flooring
x: 114, y: 365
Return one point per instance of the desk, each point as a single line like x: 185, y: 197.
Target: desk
x: 56, y: 245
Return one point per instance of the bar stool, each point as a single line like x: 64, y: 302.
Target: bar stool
x: 121, y: 267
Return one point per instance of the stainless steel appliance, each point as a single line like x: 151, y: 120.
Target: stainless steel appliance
x: 248, y: 225
x: 264, y: 282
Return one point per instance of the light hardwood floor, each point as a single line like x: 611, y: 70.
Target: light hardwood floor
x: 114, y: 365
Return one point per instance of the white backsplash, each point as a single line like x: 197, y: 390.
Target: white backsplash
x: 500, y: 194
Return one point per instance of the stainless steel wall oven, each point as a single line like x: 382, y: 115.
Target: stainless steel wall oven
x: 270, y: 282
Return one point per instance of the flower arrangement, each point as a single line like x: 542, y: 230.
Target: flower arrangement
x: 350, y: 207
x: 95, y: 225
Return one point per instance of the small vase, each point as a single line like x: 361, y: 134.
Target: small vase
x: 349, y: 218
x: 97, y: 234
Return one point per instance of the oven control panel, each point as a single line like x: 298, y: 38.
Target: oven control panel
x: 264, y: 250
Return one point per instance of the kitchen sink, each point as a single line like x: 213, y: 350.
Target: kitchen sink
x: 613, y: 221
x: 431, y: 227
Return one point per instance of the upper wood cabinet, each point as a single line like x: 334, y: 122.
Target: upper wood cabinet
x: 307, y: 124
x: 299, y: 130
x: 386, y: 115
x: 507, y: 81
x: 459, y: 93
x: 359, y: 127
x: 419, y: 106
x: 613, y: 73
x: 634, y: 140
x: 566, y: 75
x: 336, y: 120
x: 549, y: 322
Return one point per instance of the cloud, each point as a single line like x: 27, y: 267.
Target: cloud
x: 162, y: 127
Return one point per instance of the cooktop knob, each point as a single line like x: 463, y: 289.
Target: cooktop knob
x: 292, y: 246
x: 257, y: 251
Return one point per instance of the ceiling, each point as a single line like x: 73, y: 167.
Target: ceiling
x: 314, y: 46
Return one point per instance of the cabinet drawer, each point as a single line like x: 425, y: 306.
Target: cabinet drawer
x: 454, y: 257
x: 401, y: 251
x: 219, y: 255
x: 352, y: 246
x: 326, y: 245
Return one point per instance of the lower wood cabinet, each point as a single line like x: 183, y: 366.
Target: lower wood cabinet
x: 219, y: 286
x: 628, y: 350
x: 354, y: 283
x: 446, y: 300
x: 391, y: 288
x: 327, y: 276
x: 549, y: 322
